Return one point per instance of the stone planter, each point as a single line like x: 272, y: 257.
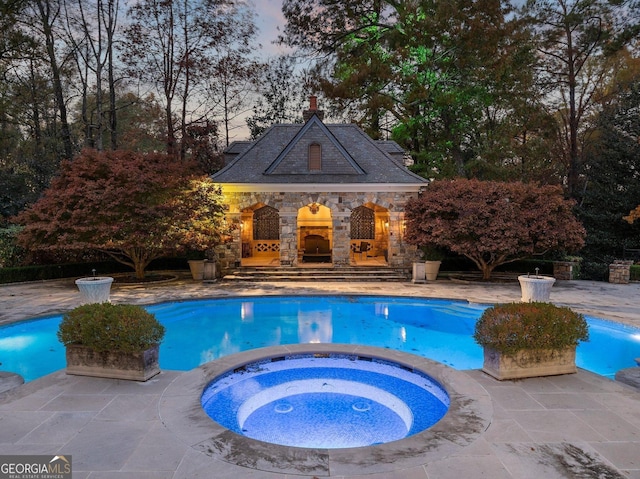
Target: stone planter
x: 536, y: 288
x: 431, y: 269
x: 529, y: 363
x: 134, y: 366
x: 209, y: 271
x: 96, y: 289
x: 418, y: 272
x: 196, y: 266
x: 202, y: 269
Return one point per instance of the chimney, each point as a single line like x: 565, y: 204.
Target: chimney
x: 313, y: 110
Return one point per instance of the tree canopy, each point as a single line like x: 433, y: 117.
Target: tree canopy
x: 517, y: 104
x: 612, y: 172
x: 415, y: 70
x: 485, y: 89
x: 183, y: 49
x: 134, y: 207
x: 493, y: 223
x: 281, y: 96
x: 577, y: 41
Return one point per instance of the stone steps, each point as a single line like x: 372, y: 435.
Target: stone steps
x: 316, y: 274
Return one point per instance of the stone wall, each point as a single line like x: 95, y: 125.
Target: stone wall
x: 563, y: 270
x: 400, y: 254
x: 620, y: 272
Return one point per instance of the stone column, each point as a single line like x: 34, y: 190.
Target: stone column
x: 620, y: 272
x: 341, y: 223
x: 563, y: 270
x: 288, y: 238
x: 401, y: 254
x: 229, y: 253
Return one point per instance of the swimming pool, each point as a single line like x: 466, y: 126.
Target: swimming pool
x: 200, y: 331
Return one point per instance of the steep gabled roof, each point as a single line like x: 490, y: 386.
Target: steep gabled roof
x: 349, y: 155
x: 293, y: 159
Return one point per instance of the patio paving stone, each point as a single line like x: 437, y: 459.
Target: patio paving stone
x: 581, y: 425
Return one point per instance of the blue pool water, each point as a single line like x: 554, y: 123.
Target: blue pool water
x: 325, y: 402
x: 204, y: 330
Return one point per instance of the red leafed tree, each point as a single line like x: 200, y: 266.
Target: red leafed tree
x: 493, y: 223
x: 134, y: 207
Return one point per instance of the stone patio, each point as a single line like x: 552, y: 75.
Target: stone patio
x: 573, y: 426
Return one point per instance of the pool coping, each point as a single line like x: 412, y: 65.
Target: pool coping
x: 470, y: 413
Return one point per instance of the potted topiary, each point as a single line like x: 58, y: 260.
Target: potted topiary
x: 118, y: 341
x: 529, y: 339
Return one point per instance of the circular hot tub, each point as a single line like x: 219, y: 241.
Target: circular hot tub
x: 325, y: 401
x: 467, y: 416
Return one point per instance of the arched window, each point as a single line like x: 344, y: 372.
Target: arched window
x: 363, y: 223
x: 266, y: 223
x: 315, y: 157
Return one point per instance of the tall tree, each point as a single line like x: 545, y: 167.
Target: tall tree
x: 233, y: 72
x: 140, y: 125
x: 12, y: 39
x: 170, y: 46
x: 45, y: 17
x: 456, y: 94
x: 202, y: 146
x: 576, y: 39
x: 281, y: 90
x: 612, y: 170
x: 420, y: 62
x: 31, y: 145
x: 351, y: 44
x: 91, y: 30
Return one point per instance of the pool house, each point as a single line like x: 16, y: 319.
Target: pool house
x: 317, y: 194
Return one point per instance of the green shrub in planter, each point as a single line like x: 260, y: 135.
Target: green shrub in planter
x: 509, y: 328
x: 110, y: 327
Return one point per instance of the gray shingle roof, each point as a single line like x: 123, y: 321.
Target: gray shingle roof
x: 280, y: 155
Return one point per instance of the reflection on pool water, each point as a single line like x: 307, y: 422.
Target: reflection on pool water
x: 203, y: 330
x: 326, y: 401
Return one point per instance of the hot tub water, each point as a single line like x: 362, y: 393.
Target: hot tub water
x: 331, y: 401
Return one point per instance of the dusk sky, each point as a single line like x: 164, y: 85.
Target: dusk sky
x: 269, y: 17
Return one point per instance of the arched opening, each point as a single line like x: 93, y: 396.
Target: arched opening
x: 260, y: 235
x: 315, y: 235
x: 369, y: 235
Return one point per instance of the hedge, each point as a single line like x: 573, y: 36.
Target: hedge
x: 635, y: 272
x: 77, y: 270
x: 460, y: 263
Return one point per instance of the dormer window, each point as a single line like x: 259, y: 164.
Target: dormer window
x: 315, y: 157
